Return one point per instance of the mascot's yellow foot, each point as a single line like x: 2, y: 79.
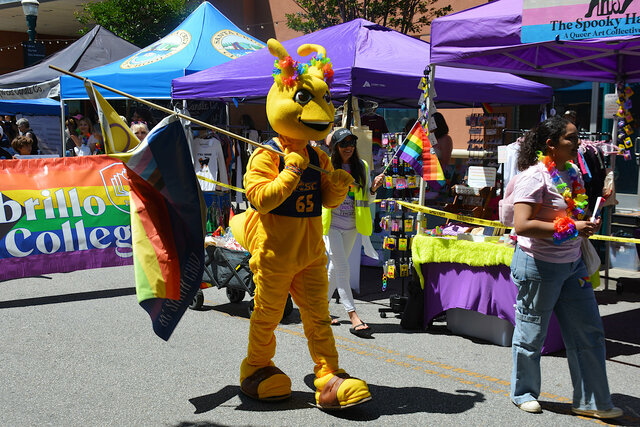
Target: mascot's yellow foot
x: 267, y: 383
x: 338, y: 390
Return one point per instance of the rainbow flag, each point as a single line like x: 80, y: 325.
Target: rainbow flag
x: 117, y: 135
x: 487, y: 108
x: 167, y: 224
x: 417, y: 151
x: 431, y: 169
x: 411, y: 149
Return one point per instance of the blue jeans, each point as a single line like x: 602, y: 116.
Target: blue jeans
x: 544, y: 287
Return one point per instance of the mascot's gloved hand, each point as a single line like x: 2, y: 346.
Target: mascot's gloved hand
x: 296, y: 159
x: 341, y: 180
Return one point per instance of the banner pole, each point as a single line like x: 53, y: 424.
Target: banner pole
x: 182, y: 116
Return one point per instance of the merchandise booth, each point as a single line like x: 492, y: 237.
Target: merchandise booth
x: 373, y: 65
x: 470, y: 279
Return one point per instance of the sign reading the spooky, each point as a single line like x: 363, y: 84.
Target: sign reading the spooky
x: 544, y: 20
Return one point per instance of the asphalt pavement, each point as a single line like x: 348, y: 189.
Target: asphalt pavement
x: 77, y: 349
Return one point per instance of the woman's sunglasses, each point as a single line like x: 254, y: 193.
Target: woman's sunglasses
x: 347, y: 143
x: 138, y: 123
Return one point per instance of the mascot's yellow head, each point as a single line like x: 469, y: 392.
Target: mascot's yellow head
x: 299, y: 104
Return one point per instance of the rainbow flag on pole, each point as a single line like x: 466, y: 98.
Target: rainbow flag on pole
x: 411, y: 149
x: 418, y: 152
x: 167, y: 224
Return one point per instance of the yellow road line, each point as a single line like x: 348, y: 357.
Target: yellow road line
x: 429, y: 367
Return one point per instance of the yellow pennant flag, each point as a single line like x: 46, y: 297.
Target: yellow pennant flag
x: 117, y: 136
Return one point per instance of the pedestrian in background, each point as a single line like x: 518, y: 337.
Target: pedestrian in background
x: 342, y: 224
x: 25, y: 129
x: 550, y: 275
x: 9, y: 126
x: 22, y: 145
x: 89, y: 141
x: 140, y: 130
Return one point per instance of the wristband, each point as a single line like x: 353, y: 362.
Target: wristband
x: 565, y: 230
x: 294, y: 169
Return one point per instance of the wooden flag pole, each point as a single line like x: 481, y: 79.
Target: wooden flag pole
x: 182, y: 116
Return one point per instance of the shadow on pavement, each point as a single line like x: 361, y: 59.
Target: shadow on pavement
x: 56, y: 299
x: 606, y: 297
x: 404, y: 400
x: 198, y: 424
x: 628, y: 419
x: 242, y: 309
x: 209, y: 402
x: 621, y: 339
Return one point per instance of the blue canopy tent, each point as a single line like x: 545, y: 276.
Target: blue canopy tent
x: 36, y: 107
x: 204, y: 39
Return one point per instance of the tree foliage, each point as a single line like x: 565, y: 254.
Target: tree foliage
x: 406, y: 16
x: 140, y: 22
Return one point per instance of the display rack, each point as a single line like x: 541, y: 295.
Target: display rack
x: 401, y: 183
x: 401, y: 226
x: 485, y: 133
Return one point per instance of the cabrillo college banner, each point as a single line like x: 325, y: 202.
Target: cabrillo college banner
x: 544, y: 20
x: 63, y: 214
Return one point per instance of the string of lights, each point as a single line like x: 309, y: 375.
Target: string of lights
x: 43, y: 42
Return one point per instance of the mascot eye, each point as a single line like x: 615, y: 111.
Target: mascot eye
x: 327, y: 98
x: 303, y: 97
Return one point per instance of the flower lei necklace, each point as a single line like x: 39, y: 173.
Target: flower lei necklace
x: 575, y: 197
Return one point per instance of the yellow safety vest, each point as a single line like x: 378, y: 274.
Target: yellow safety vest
x: 364, y: 223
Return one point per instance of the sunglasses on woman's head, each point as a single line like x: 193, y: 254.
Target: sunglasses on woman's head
x: 347, y: 143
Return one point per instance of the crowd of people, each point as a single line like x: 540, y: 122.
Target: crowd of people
x: 17, y: 138
x: 83, y: 137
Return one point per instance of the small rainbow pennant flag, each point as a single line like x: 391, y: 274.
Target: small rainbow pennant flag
x: 417, y: 151
x: 411, y: 149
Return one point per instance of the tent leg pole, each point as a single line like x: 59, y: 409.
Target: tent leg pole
x: 595, y: 93
x: 62, y: 127
x: 428, y: 101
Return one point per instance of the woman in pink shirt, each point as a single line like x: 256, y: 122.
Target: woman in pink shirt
x: 547, y: 268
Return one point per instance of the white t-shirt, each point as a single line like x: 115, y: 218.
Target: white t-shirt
x: 343, y: 217
x: 208, y: 161
x: 534, y: 185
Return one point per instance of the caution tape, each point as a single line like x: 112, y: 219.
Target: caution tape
x: 479, y: 221
x: 220, y: 184
x: 449, y: 215
x: 615, y: 239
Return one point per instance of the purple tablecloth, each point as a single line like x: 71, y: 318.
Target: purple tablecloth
x: 487, y: 290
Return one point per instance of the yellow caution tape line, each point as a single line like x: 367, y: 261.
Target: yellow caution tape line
x: 615, y: 239
x: 203, y: 178
x: 479, y: 221
x: 449, y: 215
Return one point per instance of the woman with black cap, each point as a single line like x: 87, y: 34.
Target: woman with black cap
x: 342, y: 224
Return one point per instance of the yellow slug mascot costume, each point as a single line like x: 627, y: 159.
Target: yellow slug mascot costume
x: 283, y: 232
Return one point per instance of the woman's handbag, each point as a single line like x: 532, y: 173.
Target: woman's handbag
x: 589, y: 256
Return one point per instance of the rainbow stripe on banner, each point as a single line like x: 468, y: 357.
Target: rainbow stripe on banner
x: 167, y: 224
x: 545, y: 20
x: 63, y: 214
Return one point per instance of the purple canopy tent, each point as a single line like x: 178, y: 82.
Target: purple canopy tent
x: 370, y: 61
x: 487, y: 37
